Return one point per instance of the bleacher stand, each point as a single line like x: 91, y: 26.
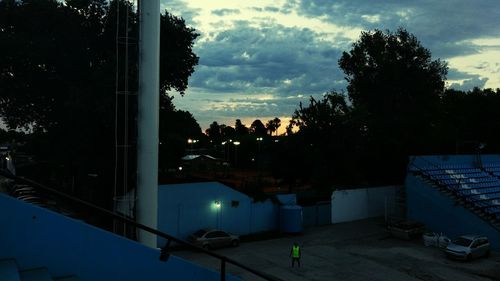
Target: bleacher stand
x: 479, y: 186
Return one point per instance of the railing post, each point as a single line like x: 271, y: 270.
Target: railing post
x: 223, y: 270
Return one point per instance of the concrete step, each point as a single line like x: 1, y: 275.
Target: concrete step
x: 9, y: 271
x: 37, y: 274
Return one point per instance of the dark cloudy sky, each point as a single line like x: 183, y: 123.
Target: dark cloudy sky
x: 260, y: 58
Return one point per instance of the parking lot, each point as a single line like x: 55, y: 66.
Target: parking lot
x: 360, y: 250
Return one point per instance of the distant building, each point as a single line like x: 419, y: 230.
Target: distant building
x: 203, y: 163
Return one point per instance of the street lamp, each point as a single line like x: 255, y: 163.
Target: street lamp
x: 259, y: 141
x: 217, y: 205
x: 191, y: 142
x: 236, y: 143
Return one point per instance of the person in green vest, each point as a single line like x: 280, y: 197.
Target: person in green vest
x: 295, y: 254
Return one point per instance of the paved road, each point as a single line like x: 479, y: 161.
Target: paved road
x: 357, y: 251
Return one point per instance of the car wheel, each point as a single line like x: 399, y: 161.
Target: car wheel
x: 235, y: 243
x: 207, y: 247
x: 487, y: 253
x: 469, y: 257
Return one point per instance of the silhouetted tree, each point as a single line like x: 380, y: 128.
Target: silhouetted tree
x: 227, y: 132
x: 395, y: 89
x: 329, y: 136
x: 468, y: 119
x: 177, y: 127
x: 58, y: 78
x: 257, y: 128
x: 273, y: 125
x: 214, y: 133
x: 240, y: 128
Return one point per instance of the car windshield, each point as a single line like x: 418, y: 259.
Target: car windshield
x: 462, y: 241
x: 199, y: 233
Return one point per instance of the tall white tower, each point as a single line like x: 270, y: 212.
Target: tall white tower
x: 148, y: 118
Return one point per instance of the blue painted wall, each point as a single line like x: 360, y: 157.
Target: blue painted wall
x: 439, y: 213
x: 185, y: 208
x: 37, y: 237
x: 264, y: 216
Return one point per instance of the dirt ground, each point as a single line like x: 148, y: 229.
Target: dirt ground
x: 360, y: 250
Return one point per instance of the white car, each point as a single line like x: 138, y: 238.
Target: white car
x: 436, y: 239
x: 467, y: 247
x: 213, y: 238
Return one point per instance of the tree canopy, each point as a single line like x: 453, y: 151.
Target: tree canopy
x: 395, y: 88
x: 59, y: 71
x: 394, y: 84
x: 391, y: 110
x: 273, y: 125
x: 258, y: 128
x: 53, y: 70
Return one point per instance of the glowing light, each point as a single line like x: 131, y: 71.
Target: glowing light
x: 217, y: 204
x: 236, y: 142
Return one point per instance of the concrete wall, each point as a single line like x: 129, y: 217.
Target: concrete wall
x: 185, y: 208
x: 440, y: 214
x: 318, y: 214
x: 37, y: 237
x: 357, y: 204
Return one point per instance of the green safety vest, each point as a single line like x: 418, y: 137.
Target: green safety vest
x: 295, y: 252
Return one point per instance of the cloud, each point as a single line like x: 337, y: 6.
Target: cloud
x: 275, y: 59
x: 469, y: 84
x: 272, y: 9
x: 288, y: 50
x: 181, y: 9
x: 438, y: 24
x: 225, y: 12
x: 256, y: 9
x: 464, y: 81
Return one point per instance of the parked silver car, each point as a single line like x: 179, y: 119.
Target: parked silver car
x: 467, y: 247
x: 436, y: 239
x: 213, y: 238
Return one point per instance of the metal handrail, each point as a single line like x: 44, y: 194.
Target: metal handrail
x: 130, y: 222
